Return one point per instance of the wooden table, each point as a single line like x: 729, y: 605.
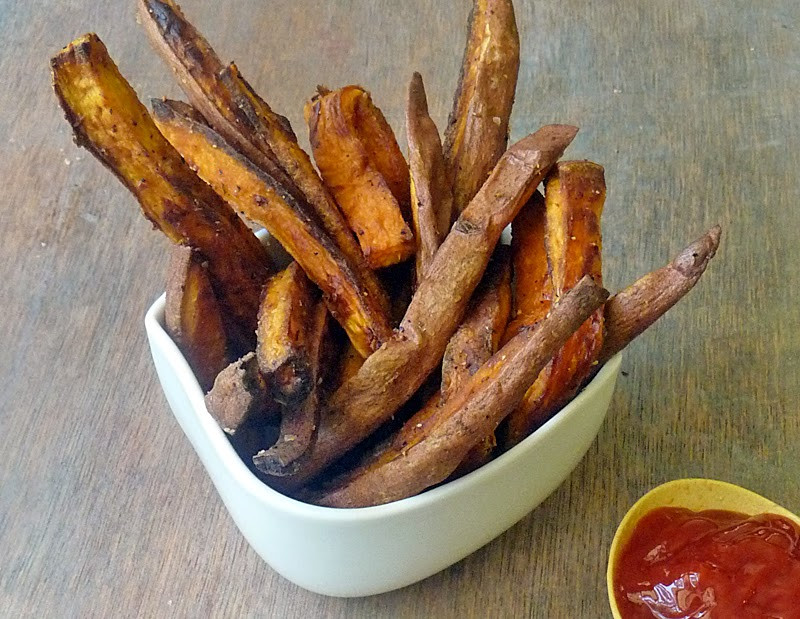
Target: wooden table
x: 690, y: 105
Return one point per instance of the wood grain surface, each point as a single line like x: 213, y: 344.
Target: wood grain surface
x: 691, y: 107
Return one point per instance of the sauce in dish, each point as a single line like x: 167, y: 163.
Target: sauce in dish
x: 682, y: 564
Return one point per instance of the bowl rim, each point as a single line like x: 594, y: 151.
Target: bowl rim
x: 154, y: 325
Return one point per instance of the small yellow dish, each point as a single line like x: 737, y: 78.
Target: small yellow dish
x: 694, y: 494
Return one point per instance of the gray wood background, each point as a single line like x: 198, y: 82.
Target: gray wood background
x: 689, y: 104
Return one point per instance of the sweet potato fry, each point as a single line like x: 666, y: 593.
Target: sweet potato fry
x: 109, y: 120
x: 361, y: 164
x: 533, y: 288
x: 431, y: 193
x: 574, y: 198
x: 477, y: 130
x: 262, y: 200
x: 632, y: 310
x: 391, y: 375
x: 476, y: 340
x: 299, y: 421
x: 247, y: 122
x: 193, y: 317
x: 240, y: 394
x: 474, y: 412
x: 378, y: 139
x: 283, y: 344
x: 197, y: 69
x: 478, y: 337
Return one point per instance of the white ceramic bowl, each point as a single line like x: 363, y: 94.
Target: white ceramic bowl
x: 359, y: 552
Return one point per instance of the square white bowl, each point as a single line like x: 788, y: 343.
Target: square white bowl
x: 365, y: 551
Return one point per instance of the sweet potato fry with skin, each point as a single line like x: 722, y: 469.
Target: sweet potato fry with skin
x: 478, y: 337
x: 474, y: 412
x: 632, y: 310
x: 361, y: 164
x: 193, y: 317
x: 114, y: 126
x: 431, y: 193
x: 283, y: 335
x: 574, y: 197
x: 260, y: 199
x: 247, y: 122
x: 299, y: 422
x: 477, y: 130
x: 391, y: 375
x: 476, y: 340
x: 240, y: 394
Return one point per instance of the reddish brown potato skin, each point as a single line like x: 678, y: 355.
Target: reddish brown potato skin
x: 473, y: 343
x: 361, y: 164
x: 574, y: 198
x: 632, y: 310
x: 476, y: 340
x: 240, y: 394
x: 477, y: 131
x: 478, y: 336
x: 193, y: 317
x: 431, y: 191
x: 110, y: 121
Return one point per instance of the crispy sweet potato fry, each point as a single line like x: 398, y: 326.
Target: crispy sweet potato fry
x: 262, y: 200
x: 533, y: 288
x: 475, y: 411
x: 247, y: 122
x: 240, y: 394
x: 193, y: 317
x: 197, y: 69
x: 574, y: 198
x: 632, y: 310
x: 391, y: 375
x: 477, y: 130
x: 380, y: 143
x: 431, y: 193
x: 114, y: 126
x: 359, y: 159
x: 283, y: 344
x: 476, y: 340
x: 300, y: 421
x: 478, y: 337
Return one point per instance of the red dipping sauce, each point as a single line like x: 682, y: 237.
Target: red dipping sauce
x: 680, y: 564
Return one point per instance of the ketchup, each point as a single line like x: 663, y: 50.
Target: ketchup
x: 714, y: 564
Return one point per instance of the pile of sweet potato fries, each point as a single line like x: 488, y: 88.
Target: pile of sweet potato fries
x: 403, y: 345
